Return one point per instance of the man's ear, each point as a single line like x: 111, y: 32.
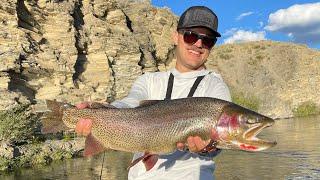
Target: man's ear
x: 175, y: 35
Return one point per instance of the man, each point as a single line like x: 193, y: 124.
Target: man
x: 195, y: 37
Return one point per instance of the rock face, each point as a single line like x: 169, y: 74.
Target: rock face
x: 79, y: 50
x: 93, y: 50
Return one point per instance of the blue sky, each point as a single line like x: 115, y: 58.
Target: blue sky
x: 248, y: 20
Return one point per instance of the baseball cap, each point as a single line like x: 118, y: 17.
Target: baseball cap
x: 199, y: 16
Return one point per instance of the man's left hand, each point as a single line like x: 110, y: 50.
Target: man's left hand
x: 196, y: 144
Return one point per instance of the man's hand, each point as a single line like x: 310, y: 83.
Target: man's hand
x: 196, y: 144
x: 83, y: 126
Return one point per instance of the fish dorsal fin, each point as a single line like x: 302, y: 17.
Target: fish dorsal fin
x: 96, y: 105
x: 144, y: 103
x: 92, y: 146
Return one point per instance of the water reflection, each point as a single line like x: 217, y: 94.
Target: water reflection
x: 296, y: 156
x: 114, y: 168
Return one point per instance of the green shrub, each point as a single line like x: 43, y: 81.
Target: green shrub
x: 61, y: 154
x: 249, y: 102
x: 34, y: 155
x: 18, y: 125
x: 4, y: 164
x: 306, y: 109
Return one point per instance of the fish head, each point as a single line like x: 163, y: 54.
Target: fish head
x: 238, y: 127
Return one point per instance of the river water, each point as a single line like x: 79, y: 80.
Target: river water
x: 296, y: 156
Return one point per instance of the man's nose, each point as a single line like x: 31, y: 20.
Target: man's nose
x: 198, y: 43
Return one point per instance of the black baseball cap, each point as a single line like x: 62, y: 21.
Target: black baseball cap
x: 199, y: 16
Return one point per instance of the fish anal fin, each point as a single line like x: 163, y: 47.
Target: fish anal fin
x: 148, y: 159
x: 148, y: 102
x: 92, y: 146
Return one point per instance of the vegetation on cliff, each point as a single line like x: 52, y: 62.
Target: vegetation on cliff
x: 22, y: 144
x: 249, y: 101
x: 18, y: 125
x: 306, y: 109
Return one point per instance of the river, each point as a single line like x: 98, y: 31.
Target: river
x: 296, y: 156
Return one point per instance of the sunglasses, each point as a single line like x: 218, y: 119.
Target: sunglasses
x: 191, y: 37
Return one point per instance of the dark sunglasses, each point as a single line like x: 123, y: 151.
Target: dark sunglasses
x: 191, y: 37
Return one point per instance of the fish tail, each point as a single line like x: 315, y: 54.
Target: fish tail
x: 52, y: 118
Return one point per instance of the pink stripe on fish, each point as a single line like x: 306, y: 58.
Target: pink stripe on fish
x: 227, y: 121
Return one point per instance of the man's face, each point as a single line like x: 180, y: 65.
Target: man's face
x: 190, y: 56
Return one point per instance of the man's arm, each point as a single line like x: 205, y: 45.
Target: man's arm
x: 218, y: 89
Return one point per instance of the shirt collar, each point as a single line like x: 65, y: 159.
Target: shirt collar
x: 188, y: 75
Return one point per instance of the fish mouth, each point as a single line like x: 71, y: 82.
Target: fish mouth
x: 252, y: 142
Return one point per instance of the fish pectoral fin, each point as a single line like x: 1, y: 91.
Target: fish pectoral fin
x: 149, y: 160
x: 92, y: 146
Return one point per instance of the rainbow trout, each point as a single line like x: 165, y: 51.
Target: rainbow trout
x: 156, y: 126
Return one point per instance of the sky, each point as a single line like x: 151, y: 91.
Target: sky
x: 295, y: 21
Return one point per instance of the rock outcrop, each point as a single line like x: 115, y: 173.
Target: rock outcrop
x: 79, y: 50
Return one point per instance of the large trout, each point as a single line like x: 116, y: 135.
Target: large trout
x: 156, y: 126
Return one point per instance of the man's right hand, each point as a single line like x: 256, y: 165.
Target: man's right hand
x: 83, y: 126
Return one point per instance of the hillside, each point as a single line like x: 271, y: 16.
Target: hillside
x: 279, y: 77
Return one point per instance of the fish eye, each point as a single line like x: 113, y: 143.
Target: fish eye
x: 251, y: 120
x: 247, y: 119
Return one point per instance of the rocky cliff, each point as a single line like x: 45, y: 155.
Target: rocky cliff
x: 80, y: 50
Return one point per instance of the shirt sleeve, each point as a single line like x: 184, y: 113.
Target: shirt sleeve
x: 217, y: 88
x: 138, y: 92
